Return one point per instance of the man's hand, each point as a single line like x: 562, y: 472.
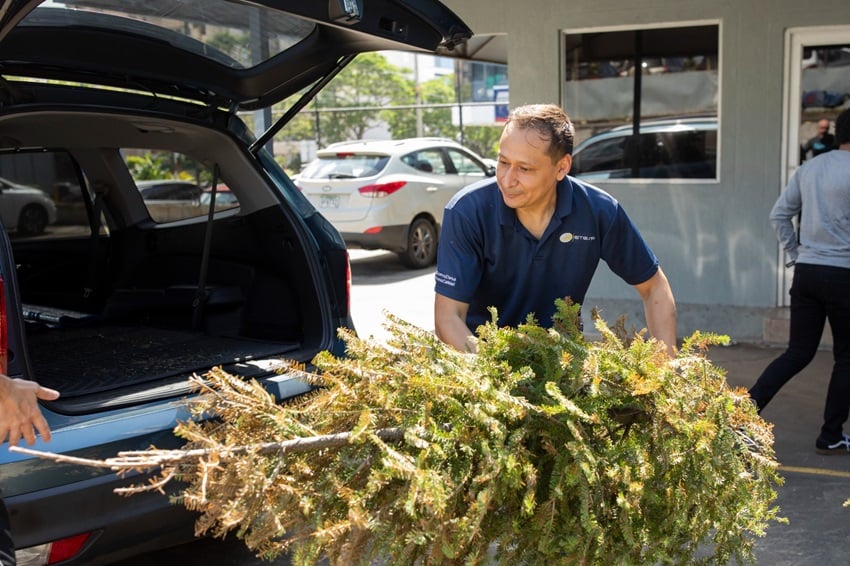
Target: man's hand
x: 20, y: 415
x: 450, y: 324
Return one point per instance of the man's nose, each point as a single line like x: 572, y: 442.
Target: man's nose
x: 509, y: 175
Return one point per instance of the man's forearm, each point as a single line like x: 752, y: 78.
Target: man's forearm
x: 660, y: 310
x: 661, y: 321
x: 457, y: 335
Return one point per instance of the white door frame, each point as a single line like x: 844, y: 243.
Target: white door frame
x: 795, y: 40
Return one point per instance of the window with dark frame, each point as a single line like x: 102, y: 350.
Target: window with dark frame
x: 658, y: 86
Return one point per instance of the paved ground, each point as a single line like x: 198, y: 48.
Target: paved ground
x: 816, y: 486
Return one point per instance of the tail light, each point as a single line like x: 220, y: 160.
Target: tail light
x: 52, y: 552
x: 4, y: 335
x: 347, y: 283
x: 380, y: 190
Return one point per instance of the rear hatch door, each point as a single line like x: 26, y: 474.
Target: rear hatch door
x: 231, y: 54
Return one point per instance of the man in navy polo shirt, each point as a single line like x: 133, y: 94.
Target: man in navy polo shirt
x: 534, y: 235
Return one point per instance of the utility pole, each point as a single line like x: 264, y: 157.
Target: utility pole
x: 420, y: 129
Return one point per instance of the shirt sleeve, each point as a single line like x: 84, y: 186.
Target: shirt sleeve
x: 787, y: 207
x: 626, y: 252
x: 459, y: 257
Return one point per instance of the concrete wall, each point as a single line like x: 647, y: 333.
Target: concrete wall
x: 713, y: 238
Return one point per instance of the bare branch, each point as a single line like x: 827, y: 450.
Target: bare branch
x: 145, y: 460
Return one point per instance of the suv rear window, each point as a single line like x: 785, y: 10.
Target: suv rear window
x: 345, y: 166
x: 40, y: 194
x: 174, y: 186
x: 220, y: 30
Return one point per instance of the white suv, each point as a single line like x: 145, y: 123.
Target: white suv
x: 26, y: 210
x: 390, y: 194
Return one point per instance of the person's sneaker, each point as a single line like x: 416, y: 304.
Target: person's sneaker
x: 840, y: 447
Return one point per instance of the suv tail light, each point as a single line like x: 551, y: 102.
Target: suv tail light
x: 380, y: 190
x: 347, y: 283
x: 4, y: 335
x: 52, y: 552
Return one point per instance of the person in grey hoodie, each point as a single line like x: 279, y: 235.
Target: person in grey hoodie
x: 819, y: 193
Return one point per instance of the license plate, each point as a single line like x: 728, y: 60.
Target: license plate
x: 329, y: 201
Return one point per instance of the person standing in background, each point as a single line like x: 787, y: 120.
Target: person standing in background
x: 819, y: 192
x: 820, y: 143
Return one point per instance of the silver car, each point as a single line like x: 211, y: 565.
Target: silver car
x: 390, y: 194
x: 25, y: 210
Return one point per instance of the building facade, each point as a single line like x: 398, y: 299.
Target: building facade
x: 768, y: 70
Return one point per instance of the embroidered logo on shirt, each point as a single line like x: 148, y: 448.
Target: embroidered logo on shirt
x: 445, y: 279
x: 568, y: 237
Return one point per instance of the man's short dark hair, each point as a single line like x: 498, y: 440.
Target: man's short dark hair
x: 842, y: 128
x: 551, y: 122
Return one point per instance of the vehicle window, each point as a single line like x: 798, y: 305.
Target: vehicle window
x: 692, y: 154
x: 171, y: 184
x: 344, y: 166
x: 169, y: 190
x: 428, y: 160
x: 465, y: 165
x: 414, y: 160
x: 221, y: 30
x: 678, y: 69
x: 41, y: 195
x: 604, y: 155
x: 688, y: 154
x: 224, y: 199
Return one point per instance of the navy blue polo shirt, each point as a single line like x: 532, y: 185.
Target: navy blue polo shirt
x: 486, y: 257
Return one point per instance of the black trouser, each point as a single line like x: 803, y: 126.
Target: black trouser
x: 818, y: 293
x: 7, y: 547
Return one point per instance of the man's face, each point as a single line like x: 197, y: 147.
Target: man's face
x: 823, y: 127
x: 525, y: 173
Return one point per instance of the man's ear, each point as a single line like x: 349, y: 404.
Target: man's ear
x: 564, y: 165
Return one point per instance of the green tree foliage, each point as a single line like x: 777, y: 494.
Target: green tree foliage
x: 483, y: 140
x: 370, y: 81
x: 148, y: 166
x: 543, y: 448
x: 154, y: 164
x: 237, y: 46
x: 366, y: 86
x: 436, y: 122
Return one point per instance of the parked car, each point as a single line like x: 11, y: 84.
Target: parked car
x: 118, y: 309
x: 224, y: 197
x: 390, y: 194
x: 683, y: 148
x: 26, y: 210
x: 169, y: 189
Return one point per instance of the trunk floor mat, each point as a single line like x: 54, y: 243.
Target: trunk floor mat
x: 88, y: 360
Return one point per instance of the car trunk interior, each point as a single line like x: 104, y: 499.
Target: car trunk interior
x: 130, y: 314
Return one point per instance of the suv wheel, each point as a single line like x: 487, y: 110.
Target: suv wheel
x: 32, y: 221
x: 421, y: 244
